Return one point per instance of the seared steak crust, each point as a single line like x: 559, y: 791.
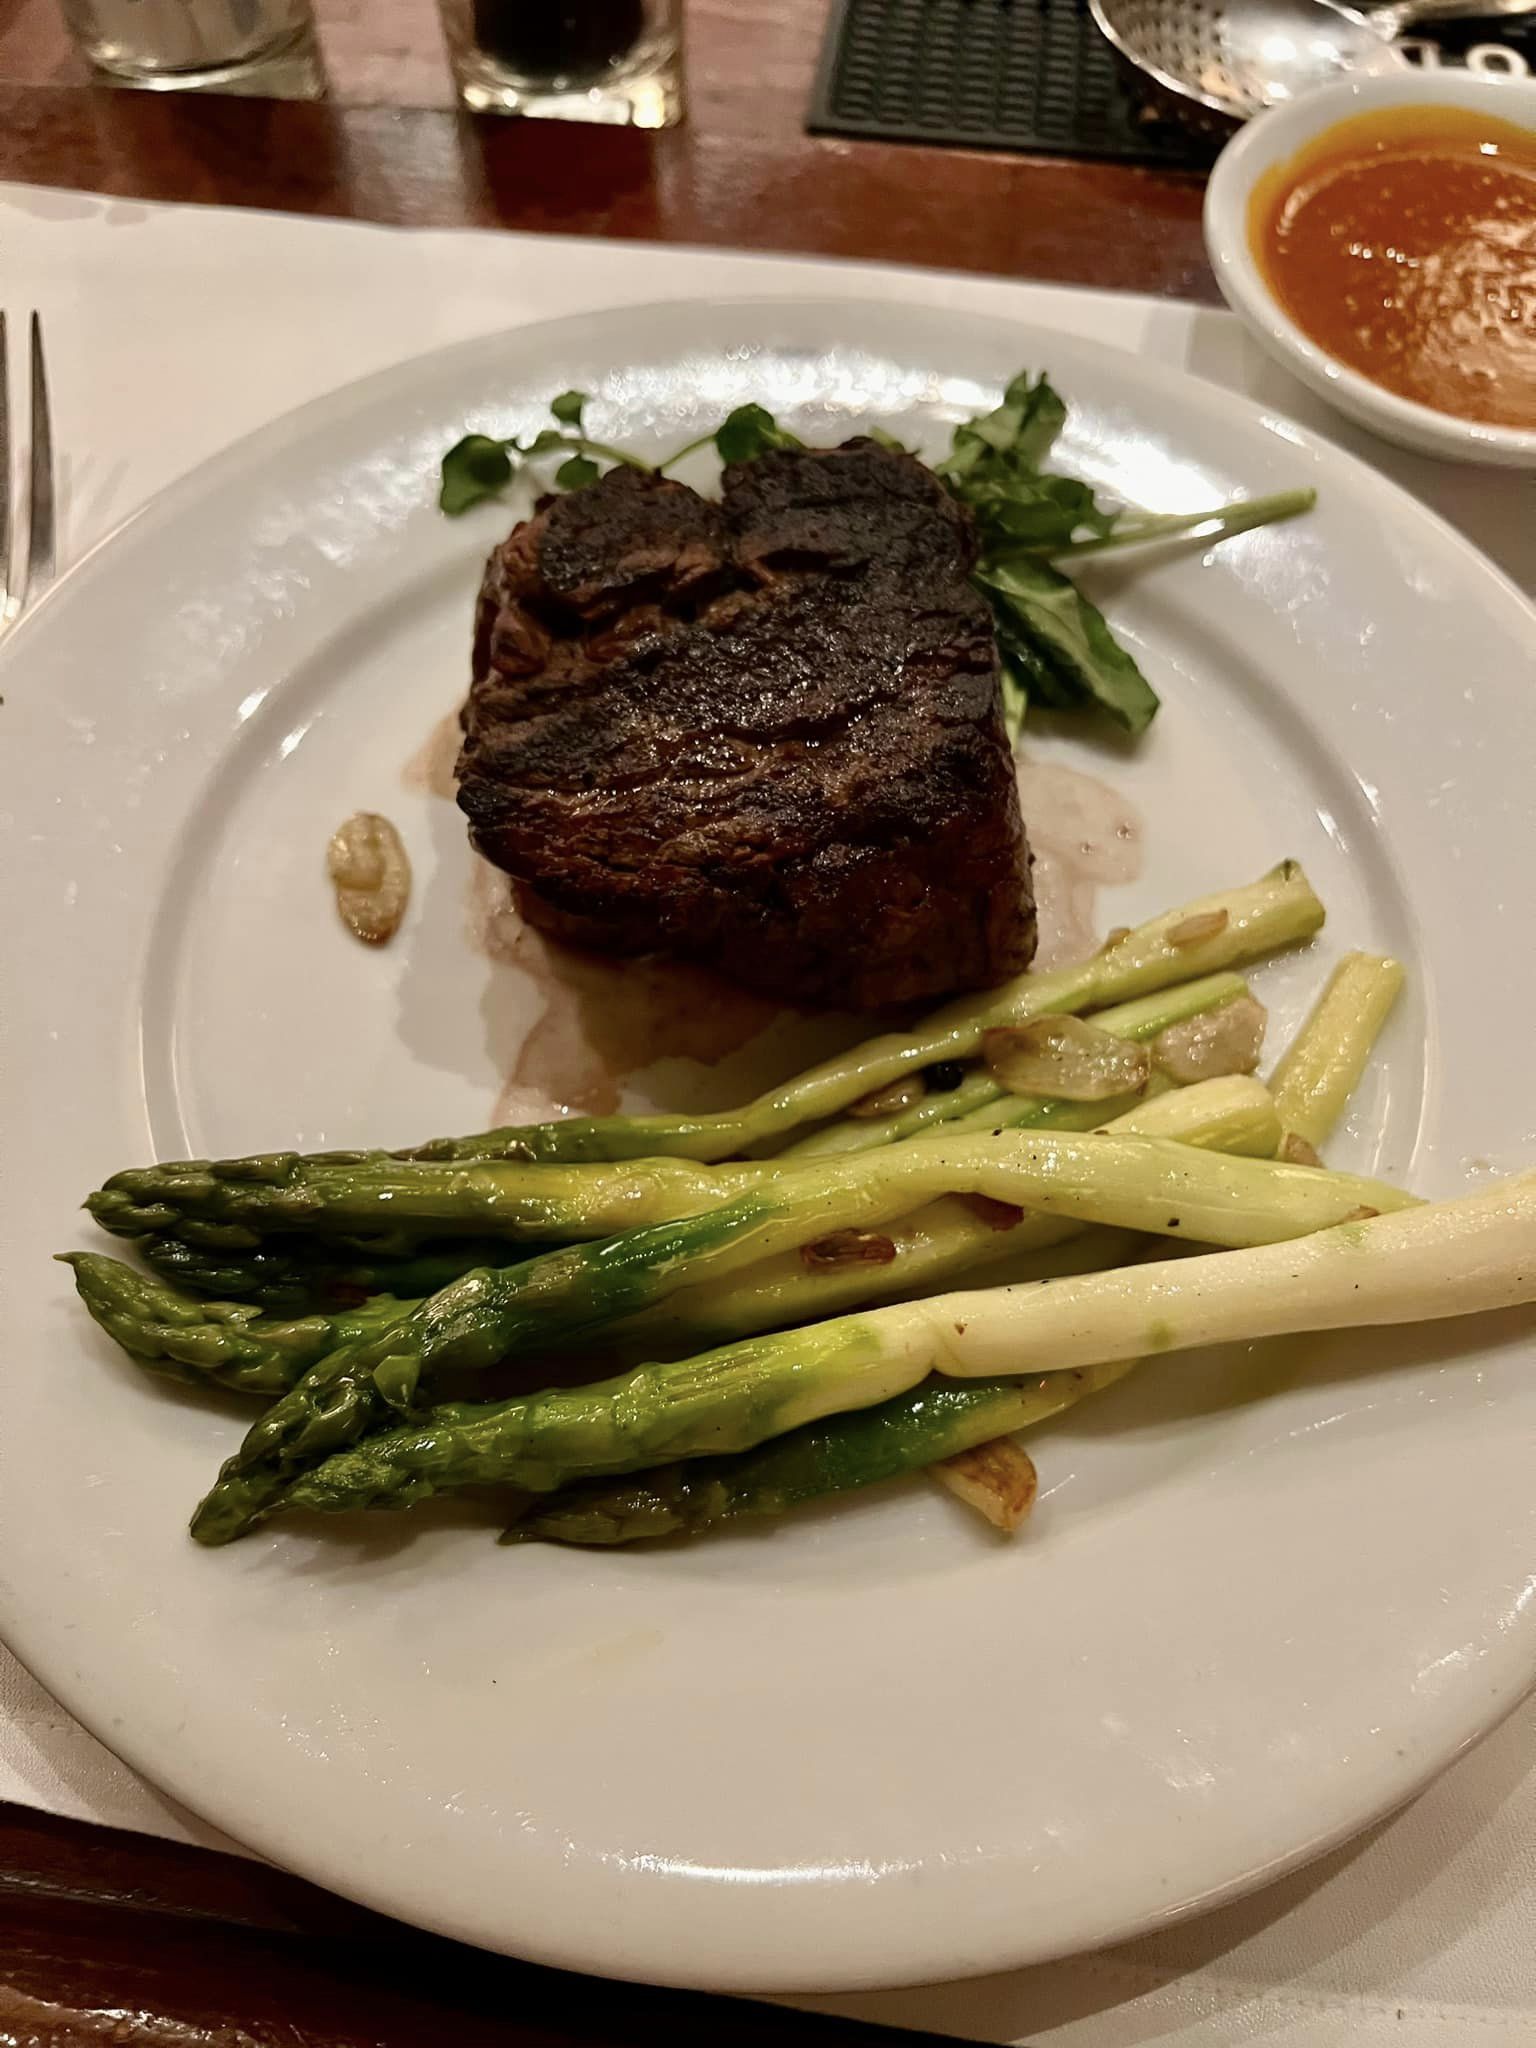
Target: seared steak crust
x: 764, y: 734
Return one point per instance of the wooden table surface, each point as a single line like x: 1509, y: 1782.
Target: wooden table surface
x: 107, y: 1937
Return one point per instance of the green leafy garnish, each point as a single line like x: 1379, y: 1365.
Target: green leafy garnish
x: 1014, y: 679
x: 1014, y: 438
x: 480, y: 467
x: 1072, y: 656
x: 1222, y: 522
x: 544, y: 442
x: 576, y: 471
x: 1036, y: 512
x: 750, y: 431
x: 475, y: 468
x: 1057, y: 648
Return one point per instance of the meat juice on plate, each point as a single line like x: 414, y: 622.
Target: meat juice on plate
x: 601, y: 1019
x: 1085, y: 836
x: 431, y: 767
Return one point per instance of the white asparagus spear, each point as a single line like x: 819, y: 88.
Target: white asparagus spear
x: 1316, y: 1077
x: 1442, y: 1259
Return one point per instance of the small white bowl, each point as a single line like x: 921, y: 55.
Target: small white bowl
x: 1277, y: 135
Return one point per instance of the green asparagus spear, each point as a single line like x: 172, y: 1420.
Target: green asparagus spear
x: 1139, y: 1020
x: 506, y: 1199
x: 974, y: 1089
x: 935, y: 1420
x: 933, y: 1246
x: 1324, y: 1061
x: 224, y: 1343
x: 298, y: 1277
x: 1428, y: 1261
x: 721, y: 1401
x: 517, y: 1203
x: 1140, y: 1183
x: 1317, y: 1075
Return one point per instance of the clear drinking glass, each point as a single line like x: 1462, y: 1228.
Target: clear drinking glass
x: 614, y: 61
x: 170, y: 43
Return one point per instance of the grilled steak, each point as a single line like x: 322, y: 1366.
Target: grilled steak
x: 763, y: 734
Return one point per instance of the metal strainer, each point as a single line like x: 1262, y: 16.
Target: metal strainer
x: 1212, y: 63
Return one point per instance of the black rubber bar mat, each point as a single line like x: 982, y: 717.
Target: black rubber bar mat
x: 1033, y: 76
x: 1030, y: 75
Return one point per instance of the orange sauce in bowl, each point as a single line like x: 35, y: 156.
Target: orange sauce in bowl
x: 1404, y: 244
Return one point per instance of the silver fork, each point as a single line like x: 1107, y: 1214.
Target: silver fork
x: 28, y: 569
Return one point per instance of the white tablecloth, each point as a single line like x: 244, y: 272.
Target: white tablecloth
x: 173, y: 330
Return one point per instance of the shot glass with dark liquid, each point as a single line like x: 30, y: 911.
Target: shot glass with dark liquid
x: 613, y: 61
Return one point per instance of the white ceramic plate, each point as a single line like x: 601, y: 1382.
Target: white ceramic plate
x: 1265, y: 1596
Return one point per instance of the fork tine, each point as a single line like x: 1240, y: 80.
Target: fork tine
x: 6, y: 608
x: 40, y: 521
